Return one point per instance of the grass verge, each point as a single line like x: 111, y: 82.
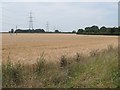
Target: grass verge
x: 97, y: 70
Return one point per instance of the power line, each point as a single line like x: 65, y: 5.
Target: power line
x: 16, y: 27
x: 31, y: 21
x: 47, y: 26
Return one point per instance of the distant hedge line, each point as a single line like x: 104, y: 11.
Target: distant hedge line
x: 29, y: 31
x: 94, y: 30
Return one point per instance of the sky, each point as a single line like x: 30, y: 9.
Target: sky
x: 64, y: 16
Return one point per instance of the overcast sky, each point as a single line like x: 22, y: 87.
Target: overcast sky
x: 65, y: 16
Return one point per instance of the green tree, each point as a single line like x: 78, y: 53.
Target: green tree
x: 73, y: 31
x: 12, y: 30
x: 103, y: 29
x: 94, y: 29
x: 80, y: 31
x: 87, y: 29
x: 57, y: 31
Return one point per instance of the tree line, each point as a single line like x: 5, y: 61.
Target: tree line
x: 28, y: 31
x: 36, y: 31
x: 95, y: 30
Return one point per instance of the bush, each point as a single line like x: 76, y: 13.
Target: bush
x: 40, y: 65
x: 94, y: 52
x: 63, y: 61
x: 13, y: 75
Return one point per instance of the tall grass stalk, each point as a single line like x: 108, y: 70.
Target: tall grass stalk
x: 97, y: 70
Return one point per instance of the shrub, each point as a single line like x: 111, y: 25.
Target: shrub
x: 13, y: 75
x: 94, y: 52
x: 63, y: 61
x: 40, y: 65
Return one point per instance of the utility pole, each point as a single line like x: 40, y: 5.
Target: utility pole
x: 16, y: 29
x: 30, y: 21
x: 47, y: 26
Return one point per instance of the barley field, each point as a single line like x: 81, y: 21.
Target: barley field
x: 59, y: 61
x: 27, y: 48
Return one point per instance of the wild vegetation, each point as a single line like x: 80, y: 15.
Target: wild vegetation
x: 99, y: 69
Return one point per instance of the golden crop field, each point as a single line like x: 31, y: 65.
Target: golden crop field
x: 28, y: 47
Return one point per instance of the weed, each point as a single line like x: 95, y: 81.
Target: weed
x: 99, y: 70
x: 40, y: 65
x: 63, y: 61
x: 13, y: 75
x: 94, y: 52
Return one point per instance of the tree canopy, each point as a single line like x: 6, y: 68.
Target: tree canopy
x: 94, y: 30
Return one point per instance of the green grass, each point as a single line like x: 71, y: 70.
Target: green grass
x: 0, y: 74
x: 97, y: 70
